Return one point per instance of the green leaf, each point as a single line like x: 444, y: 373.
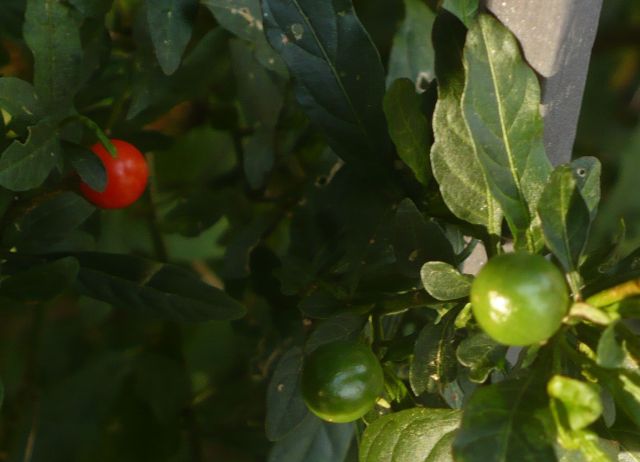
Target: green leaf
x: 564, y: 217
x: 244, y: 19
x: 52, y: 32
x: 441, y: 452
x: 412, y: 435
x: 501, y: 106
x: 505, y: 422
x: 314, y: 441
x: 42, y: 281
x: 417, y: 240
x: 1, y: 394
x: 482, y: 355
x: 443, y: 282
x: 59, y: 215
x: 153, y: 288
x: 412, y: 54
x: 434, y: 357
x: 580, y: 400
x: 170, y: 24
x: 260, y: 94
x: 590, y: 313
x: 408, y: 127
x: 454, y: 161
x: 338, y: 73
x: 624, y: 386
x: 88, y: 166
x: 610, y: 353
x: 261, y: 100
x: 240, y: 17
x: 585, y: 446
x: 586, y: 171
x: 92, y: 8
x: 343, y: 326
x: 19, y: 99
x: 465, y: 10
x: 152, y: 92
x: 26, y: 166
x: 285, y: 408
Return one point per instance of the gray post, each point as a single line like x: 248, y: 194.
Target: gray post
x: 557, y: 37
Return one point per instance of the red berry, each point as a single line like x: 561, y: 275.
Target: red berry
x: 127, y: 175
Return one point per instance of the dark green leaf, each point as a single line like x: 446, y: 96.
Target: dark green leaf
x: 412, y: 53
x: 501, y: 106
x: 259, y: 93
x: 240, y: 17
x: 153, y: 289
x: 244, y: 19
x: 170, y: 23
x: 259, y: 157
x: 465, y: 10
x: 59, y: 216
x: 18, y: 98
x: 199, y: 156
x: 52, y: 32
x: 261, y: 100
x: 76, y: 408
x: 314, y: 441
x: 408, y: 127
x: 482, y: 355
x: 321, y: 304
x: 236, y: 259
x: 88, y: 166
x: 12, y: 17
x: 339, y: 76
x: 153, y: 92
x: 92, y: 8
x: 454, y: 161
x: 434, y: 356
x: 564, y: 217
x: 417, y: 240
x: 586, y: 171
x: 506, y: 422
x: 26, y: 166
x: 41, y: 282
x: 413, y: 435
x: 1, y: 394
x: 580, y: 400
x: 285, y: 407
x: 443, y: 282
x: 163, y: 384
x: 624, y: 386
x: 343, y: 326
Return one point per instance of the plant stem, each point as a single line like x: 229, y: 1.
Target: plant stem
x: 159, y: 244
x: 615, y: 294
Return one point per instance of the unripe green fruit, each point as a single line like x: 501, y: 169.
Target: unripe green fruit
x: 519, y: 299
x: 341, y: 381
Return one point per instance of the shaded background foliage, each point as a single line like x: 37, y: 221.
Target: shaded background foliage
x: 247, y: 195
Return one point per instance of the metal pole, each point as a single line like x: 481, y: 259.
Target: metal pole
x: 557, y: 37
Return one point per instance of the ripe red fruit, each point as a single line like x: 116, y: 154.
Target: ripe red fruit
x: 127, y: 175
